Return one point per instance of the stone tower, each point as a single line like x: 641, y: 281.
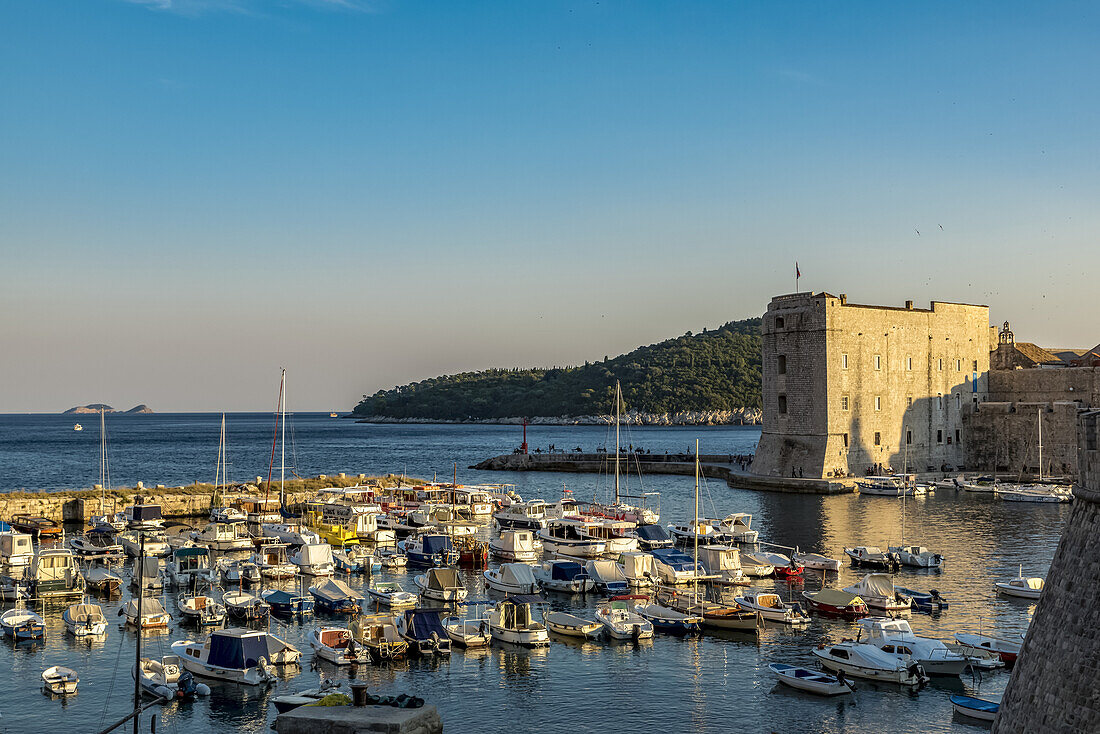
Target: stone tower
x: 1055, y: 686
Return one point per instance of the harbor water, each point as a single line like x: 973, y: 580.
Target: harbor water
x: 712, y: 683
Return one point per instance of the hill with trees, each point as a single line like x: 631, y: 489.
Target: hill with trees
x: 717, y: 370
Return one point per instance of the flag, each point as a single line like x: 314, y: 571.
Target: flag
x: 797, y: 272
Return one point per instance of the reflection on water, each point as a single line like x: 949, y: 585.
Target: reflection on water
x: 716, y: 682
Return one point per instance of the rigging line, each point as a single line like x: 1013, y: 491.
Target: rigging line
x: 111, y: 686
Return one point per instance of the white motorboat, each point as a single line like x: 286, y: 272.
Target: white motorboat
x: 201, y: 609
x: 511, y: 621
x: 1033, y: 493
x: 608, y: 577
x: 877, y: 591
x: 515, y: 545
x: 54, y: 574
x: 982, y: 485
x: 337, y: 645
x: 639, y: 569
x: 22, y: 624
x: 773, y: 608
x: 565, y: 576
x: 522, y: 515
x: 917, y: 556
x: 982, y: 708
x: 85, y: 620
x: 290, y: 533
x: 620, y: 622
x: 895, y: 637
x: 869, y: 556
x: 236, y: 655
x: 441, y: 584
x: 98, y: 546
x: 150, y: 615
x: 390, y: 594
x: 666, y: 619
x: 563, y: 623
x: 687, y: 533
x: 242, y: 605
x: 676, y: 567
x: 867, y: 661
x: 946, y: 483
x: 273, y: 562
x: 391, y: 558
x: 314, y: 559
x: 895, y: 485
x: 570, y: 537
x: 224, y: 536
x: 756, y: 565
x: 16, y: 552
x: 227, y: 514
x: 816, y: 561
x: 467, y: 632
x: 736, y: 528
x: 60, y: 680
x: 156, y: 543
x: 166, y: 678
x: 1006, y: 649
x: 811, y: 681
x: 378, y: 633
x: 1021, y: 587
x: 238, y: 571
x: 189, y: 566
x: 512, y: 578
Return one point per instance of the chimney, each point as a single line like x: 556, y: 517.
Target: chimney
x: 908, y: 305
x: 843, y: 299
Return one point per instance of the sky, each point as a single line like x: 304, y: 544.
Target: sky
x: 195, y: 194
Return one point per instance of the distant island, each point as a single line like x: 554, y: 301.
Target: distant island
x: 96, y: 407
x: 707, y: 378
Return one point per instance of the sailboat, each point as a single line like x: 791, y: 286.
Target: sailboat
x: 620, y: 510
x: 1037, y: 492
x: 913, y: 555
x: 222, y: 513
x: 105, y: 519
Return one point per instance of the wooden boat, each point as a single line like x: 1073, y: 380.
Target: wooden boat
x: 774, y: 609
x: 811, y: 681
x: 668, y: 620
x: 337, y: 645
x: 423, y: 630
x: 85, y: 620
x: 390, y: 594
x: 201, y: 609
x: 441, y: 584
x: 42, y: 529
x: 974, y: 707
x: 379, y: 635
x: 836, y: 602
x: 513, y: 578
x: 236, y: 655
x: 286, y: 603
x: 242, y: 605
x: 151, y: 615
x: 102, y: 581
x: 59, y: 680
x: 715, y: 615
x: 22, y: 624
x: 511, y: 621
x: 166, y: 678
x: 620, y: 622
x: 472, y: 553
x: 1020, y: 587
x: 563, y: 623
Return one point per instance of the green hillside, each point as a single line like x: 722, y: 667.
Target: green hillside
x: 714, y: 370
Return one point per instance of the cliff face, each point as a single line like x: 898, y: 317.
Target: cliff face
x: 90, y: 408
x: 142, y: 409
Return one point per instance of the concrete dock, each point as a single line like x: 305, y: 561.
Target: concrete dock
x: 717, y: 466
x: 359, y: 720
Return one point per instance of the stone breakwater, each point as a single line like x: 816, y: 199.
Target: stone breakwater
x: 740, y: 416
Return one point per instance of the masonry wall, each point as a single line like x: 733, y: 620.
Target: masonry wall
x: 1004, y: 437
x: 1081, y: 384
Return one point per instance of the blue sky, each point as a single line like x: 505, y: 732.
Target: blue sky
x: 194, y: 193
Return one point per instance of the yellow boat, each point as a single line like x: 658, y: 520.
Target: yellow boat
x: 337, y: 536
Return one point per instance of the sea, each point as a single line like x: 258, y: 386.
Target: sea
x: 710, y: 683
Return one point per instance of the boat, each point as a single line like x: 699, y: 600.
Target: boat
x: 715, y: 615
x: 22, y: 624
x: 54, y: 574
x: 947, y: 483
x: 391, y: 559
x: 975, y: 707
x: 863, y: 660
x: 143, y: 517
x: 1020, y: 587
x: 924, y: 601
x: 102, y: 581
x: 511, y: 622
x: 1008, y: 650
x: 166, y: 678
x: 189, y: 567
x: 430, y: 550
x: 877, y: 591
x: 201, y: 609
x: 337, y: 645
x: 816, y: 561
x: 811, y: 681
x: 566, y: 576
x: 917, y: 556
x: 287, y: 603
x: 156, y: 543
x: 379, y: 635
x: 515, y: 545
x: 736, y: 528
x: 291, y: 533
x: 289, y: 701
x: 346, y: 564
x: 792, y: 571
x: 467, y: 632
x: 16, y: 552
x: 42, y: 529
x: 621, y: 622
x: 336, y: 597
x: 675, y: 566
x: 869, y: 556
x: 227, y: 515
x: 239, y: 571
x: 529, y: 515
x: 242, y: 605
x: 756, y: 565
x: 652, y: 536
x: 836, y: 602
x: 983, y: 484
x: 607, y: 576
x: 638, y: 568
x: 773, y: 608
x: 897, y: 485
x: 1034, y: 493
x: 272, y: 560
x: 98, y: 546
x: 423, y: 630
x: 150, y: 614
x: 314, y: 559
x: 722, y: 564
x: 571, y: 625
x: 390, y: 594
x: 235, y: 655
x: 667, y: 620
x: 511, y: 578
x: 59, y: 680
x: 895, y: 637
x: 441, y: 584
x: 146, y: 574
x: 570, y: 537
x: 686, y: 533
x: 78, y: 427
x: 85, y: 620
x: 225, y: 536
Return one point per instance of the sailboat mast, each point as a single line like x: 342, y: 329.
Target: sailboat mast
x: 695, y: 526
x: 137, y: 651
x: 1040, y: 414
x: 618, y: 394
x: 102, y: 464
x: 282, y: 440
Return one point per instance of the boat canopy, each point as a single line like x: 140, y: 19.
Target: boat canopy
x: 518, y: 573
x: 315, y: 554
x: 149, y: 606
x: 436, y: 544
x: 421, y: 623
x: 525, y: 599
x: 84, y: 613
x: 605, y: 571
x: 282, y: 597
x: 721, y: 557
x: 674, y: 559
x: 873, y: 584
x: 194, y: 551
x: 238, y: 649
x: 836, y: 598
x: 651, y: 532
x: 635, y: 565
x: 444, y: 578
x: 335, y: 590
x: 566, y: 571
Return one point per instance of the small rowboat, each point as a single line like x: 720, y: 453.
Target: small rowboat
x: 669, y: 620
x: 811, y: 681
x: 563, y: 623
x: 983, y: 709
x: 390, y: 594
x: 816, y: 561
x: 59, y: 680
x: 792, y: 571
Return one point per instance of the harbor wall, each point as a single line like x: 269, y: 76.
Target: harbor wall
x: 64, y: 507
x: 1053, y: 687
x: 1004, y: 437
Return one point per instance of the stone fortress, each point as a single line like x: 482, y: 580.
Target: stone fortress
x: 852, y: 389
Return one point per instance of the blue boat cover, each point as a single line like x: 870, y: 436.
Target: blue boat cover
x: 978, y: 704
x: 567, y: 571
x: 229, y: 651
x: 180, y: 552
x: 674, y: 558
x: 284, y: 597
x: 652, y: 532
x: 421, y: 623
x: 4, y: 527
x: 436, y: 544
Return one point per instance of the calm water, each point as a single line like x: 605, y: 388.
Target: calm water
x: 709, y: 684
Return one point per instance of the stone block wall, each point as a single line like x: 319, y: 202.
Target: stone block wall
x: 1078, y: 384
x: 1004, y: 437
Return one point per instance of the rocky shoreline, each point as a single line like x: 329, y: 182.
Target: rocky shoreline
x: 740, y: 416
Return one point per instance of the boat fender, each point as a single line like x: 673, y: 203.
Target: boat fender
x: 202, y: 689
x: 821, y: 646
x: 164, y: 692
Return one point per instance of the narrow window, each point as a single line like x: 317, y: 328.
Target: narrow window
x: 781, y: 364
x: 958, y: 401
x: 779, y: 322
x: 956, y: 435
x: 878, y: 438
x: 939, y: 436
x: 958, y: 365
x: 909, y: 364
x: 878, y: 403
x: 845, y: 440
x: 909, y: 437
x: 782, y: 403
x: 878, y: 362
x: 941, y: 364
x: 844, y: 402
x: 939, y: 401
x: 975, y: 365
x: 909, y: 401
x: 844, y: 361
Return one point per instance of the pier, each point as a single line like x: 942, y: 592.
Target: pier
x: 717, y: 466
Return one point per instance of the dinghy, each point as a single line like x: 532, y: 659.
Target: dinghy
x: 338, y: 646
x: 835, y: 602
x: 85, y: 620
x: 621, y: 623
x: 512, y: 578
x: 467, y: 632
x: 563, y: 623
x: 974, y: 707
x: 390, y: 594
x: 166, y: 678
x: 22, y: 624
x: 441, y: 584
x: 1020, y: 587
x: 811, y: 681
x: 924, y: 601
x: 336, y: 597
x: 1006, y: 649
x: 59, y: 680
